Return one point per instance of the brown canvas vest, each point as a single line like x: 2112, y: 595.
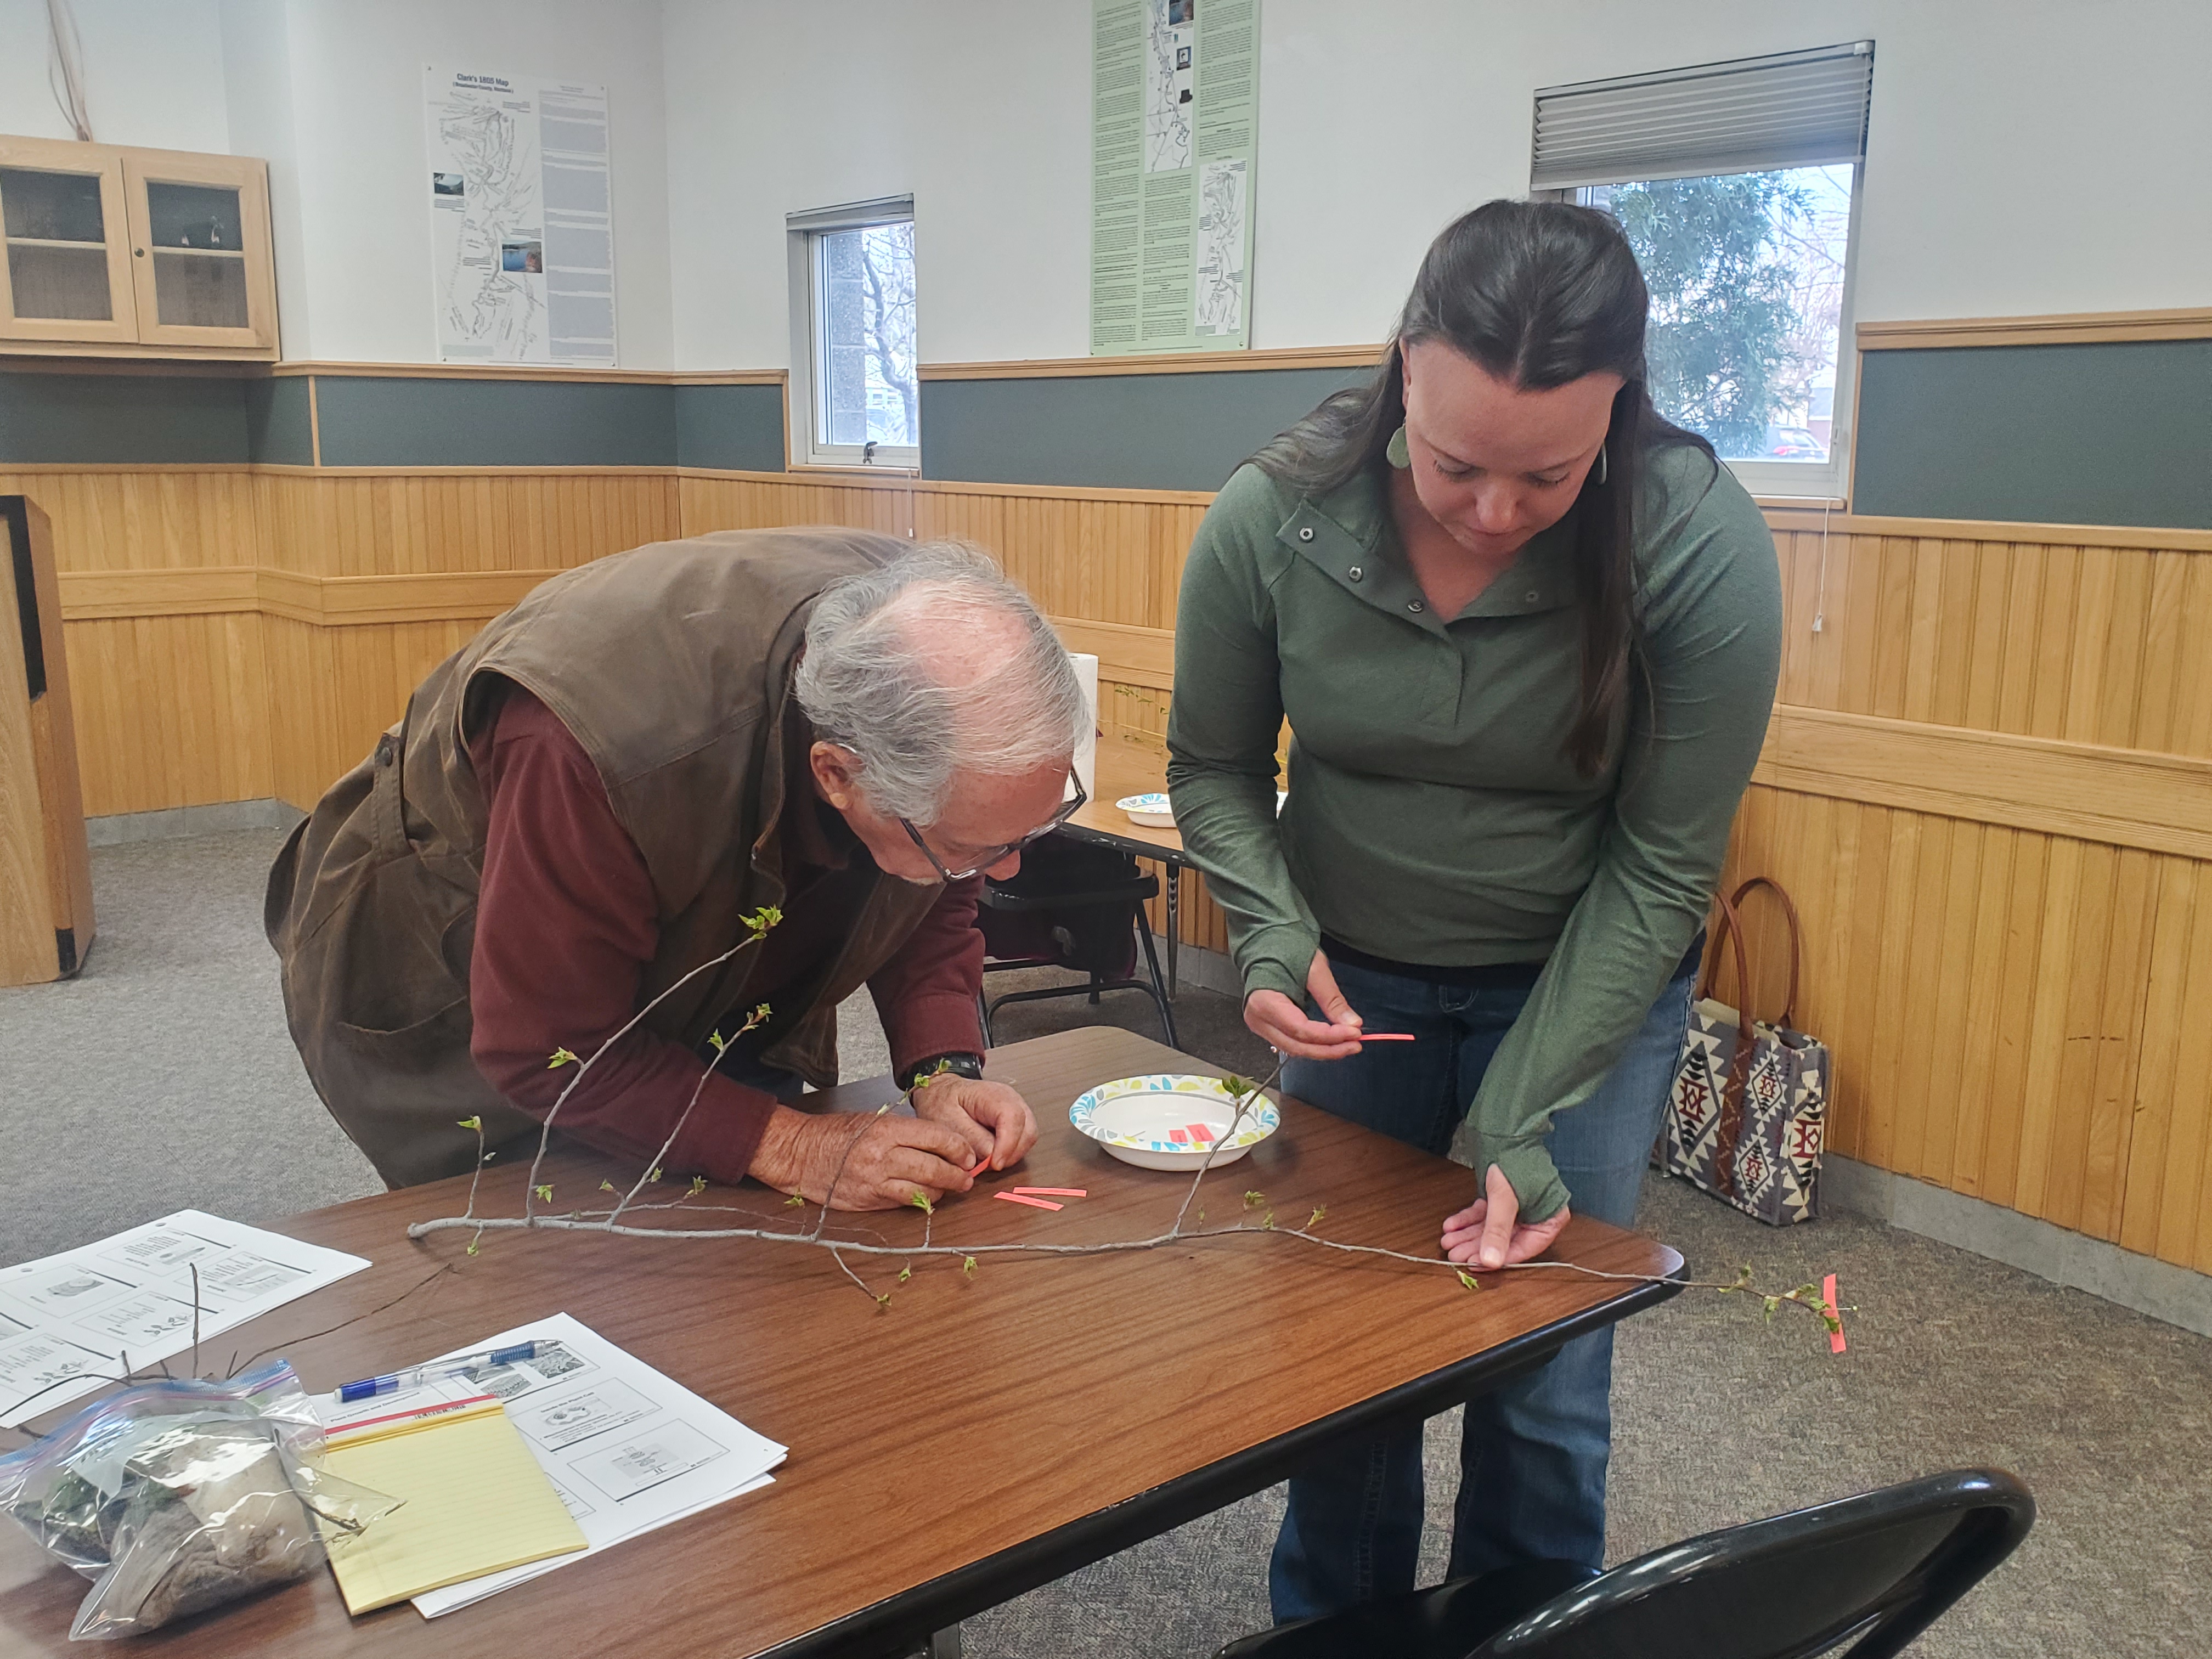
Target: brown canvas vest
x: 671, y: 667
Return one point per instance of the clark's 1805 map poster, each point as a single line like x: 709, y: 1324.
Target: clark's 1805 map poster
x: 1175, y: 97
x: 522, y: 228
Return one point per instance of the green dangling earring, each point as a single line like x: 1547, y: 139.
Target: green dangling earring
x: 1396, y: 452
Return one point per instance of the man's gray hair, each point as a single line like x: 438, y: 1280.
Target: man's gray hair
x: 936, y: 664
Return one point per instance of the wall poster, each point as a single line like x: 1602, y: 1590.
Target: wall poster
x: 1175, y: 98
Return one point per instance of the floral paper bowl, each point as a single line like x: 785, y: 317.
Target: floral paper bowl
x: 1169, y: 1120
x: 1150, y: 809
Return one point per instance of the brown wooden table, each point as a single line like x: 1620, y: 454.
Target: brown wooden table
x: 980, y: 1437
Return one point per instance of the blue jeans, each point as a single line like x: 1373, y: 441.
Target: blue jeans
x: 1533, y: 1454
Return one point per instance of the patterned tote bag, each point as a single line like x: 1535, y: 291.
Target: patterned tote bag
x: 1749, y: 1107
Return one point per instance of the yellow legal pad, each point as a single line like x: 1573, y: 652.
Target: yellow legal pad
x: 477, y: 1502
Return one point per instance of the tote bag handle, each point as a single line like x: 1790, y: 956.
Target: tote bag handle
x: 1738, y: 1076
x: 1732, y: 932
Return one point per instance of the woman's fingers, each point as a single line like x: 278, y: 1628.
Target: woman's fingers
x: 1320, y: 985
x: 1489, y: 1233
x: 1275, y: 1018
x: 1462, y: 1229
x: 1498, y: 1225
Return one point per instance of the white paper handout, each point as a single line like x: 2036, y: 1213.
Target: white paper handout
x: 627, y: 1449
x: 68, y: 1321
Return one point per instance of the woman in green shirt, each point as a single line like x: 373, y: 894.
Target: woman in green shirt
x: 1526, y: 634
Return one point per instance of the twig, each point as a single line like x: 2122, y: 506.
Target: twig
x: 653, y: 1170
x: 1244, y: 1105
x: 1115, y: 1247
x: 756, y: 927
x: 237, y: 1365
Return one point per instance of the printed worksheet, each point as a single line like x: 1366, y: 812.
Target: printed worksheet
x: 75, y: 1322
x: 627, y: 1449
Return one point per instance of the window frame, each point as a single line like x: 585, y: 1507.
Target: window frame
x: 1653, y: 125
x: 808, y: 379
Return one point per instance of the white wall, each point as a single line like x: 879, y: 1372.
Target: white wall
x: 329, y: 92
x: 352, y: 105
x: 981, y: 108
x: 153, y: 74
x: 2022, y: 159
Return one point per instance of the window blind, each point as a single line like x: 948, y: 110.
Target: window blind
x: 1794, y: 110
x: 849, y: 214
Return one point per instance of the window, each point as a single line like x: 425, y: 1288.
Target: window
x: 852, y: 336
x: 1737, y: 185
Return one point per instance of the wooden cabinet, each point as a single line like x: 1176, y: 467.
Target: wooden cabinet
x: 113, y: 252
x: 46, y: 870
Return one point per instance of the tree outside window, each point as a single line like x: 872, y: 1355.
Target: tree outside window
x: 869, y: 393
x: 1745, y: 272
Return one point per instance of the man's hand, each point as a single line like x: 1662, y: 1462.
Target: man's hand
x: 1485, y: 1232
x: 991, y: 1117
x: 876, y: 1162
x: 1281, y: 1024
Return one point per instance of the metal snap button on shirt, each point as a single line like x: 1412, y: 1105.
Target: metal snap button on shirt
x: 1306, y: 532
x: 1416, y: 606
x: 1355, y: 573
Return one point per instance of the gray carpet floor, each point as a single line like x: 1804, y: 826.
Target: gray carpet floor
x: 163, y: 1077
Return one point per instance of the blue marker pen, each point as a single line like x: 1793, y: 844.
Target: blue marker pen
x: 369, y: 1388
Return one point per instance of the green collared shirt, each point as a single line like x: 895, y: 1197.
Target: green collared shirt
x: 1433, y: 817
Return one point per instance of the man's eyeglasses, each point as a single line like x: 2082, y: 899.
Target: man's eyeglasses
x: 994, y: 855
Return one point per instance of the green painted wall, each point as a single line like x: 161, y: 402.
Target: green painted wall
x: 121, y: 420
x: 1118, y: 431
x: 2106, y: 434
x: 279, y: 422
x: 2117, y: 435
x: 444, y: 423
x: 738, y: 428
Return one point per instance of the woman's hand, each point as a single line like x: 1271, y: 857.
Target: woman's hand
x: 1485, y: 1232
x: 1278, y: 1021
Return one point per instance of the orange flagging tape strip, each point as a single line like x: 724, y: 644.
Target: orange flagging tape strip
x: 1034, y: 1203
x: 1386, y: 1037
x: 1054, y: 1192
x: 1828, y: 1295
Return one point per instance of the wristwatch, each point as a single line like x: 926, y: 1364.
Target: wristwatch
x: 959, y: 1064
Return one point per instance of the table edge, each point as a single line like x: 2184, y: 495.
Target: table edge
x: 967, y: 1591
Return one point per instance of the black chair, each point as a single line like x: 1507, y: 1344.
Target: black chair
x: 1075, y: 906
x: 1875, y: 1571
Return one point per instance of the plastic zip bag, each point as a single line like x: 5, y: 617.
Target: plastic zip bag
x: 175, y: 1497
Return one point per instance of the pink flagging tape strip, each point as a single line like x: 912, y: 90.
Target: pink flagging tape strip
x: 1053, y: 1192
x: 1828, y: 1296
x: 1387, y: 1036
x: 1034, y: 1203
x: 981, y: 1169
x: 1198, y: 1132
x: 1179, y: 1136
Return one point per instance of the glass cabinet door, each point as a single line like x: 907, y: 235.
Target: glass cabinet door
x: 67, y: 273
x: 200, y: 253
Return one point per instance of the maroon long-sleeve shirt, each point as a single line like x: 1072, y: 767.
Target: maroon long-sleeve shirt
x: 566, y: 925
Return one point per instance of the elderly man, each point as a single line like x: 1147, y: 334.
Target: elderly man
x: 582, y: 806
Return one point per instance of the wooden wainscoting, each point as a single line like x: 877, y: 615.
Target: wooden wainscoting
x: 240, y: 632
x: 1988, y: 782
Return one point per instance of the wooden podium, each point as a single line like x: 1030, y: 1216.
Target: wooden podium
x: 46, y: 870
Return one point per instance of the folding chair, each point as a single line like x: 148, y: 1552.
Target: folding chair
x: 1875, y: 1571
x: 1076, y: 907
